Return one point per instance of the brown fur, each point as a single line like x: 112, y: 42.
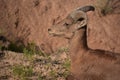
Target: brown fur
x: 87, y: 64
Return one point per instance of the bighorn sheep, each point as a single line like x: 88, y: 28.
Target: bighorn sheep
x: 86, y: 64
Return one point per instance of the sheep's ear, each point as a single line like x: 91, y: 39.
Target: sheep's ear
x: 80, y: 18
x: 82, y: 22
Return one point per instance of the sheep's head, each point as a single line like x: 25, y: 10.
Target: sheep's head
x: 73, y: 22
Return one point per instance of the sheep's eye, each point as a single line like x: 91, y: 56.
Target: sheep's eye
x: 66, y: 24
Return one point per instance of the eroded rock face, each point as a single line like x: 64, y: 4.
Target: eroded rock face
x: 28, y: 20
x: 103, y: 30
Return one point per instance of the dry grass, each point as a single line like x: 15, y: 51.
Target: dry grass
x: 17, y: 66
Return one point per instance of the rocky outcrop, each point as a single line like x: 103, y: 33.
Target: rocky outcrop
x: 23, y: 21
x: 103, y: 30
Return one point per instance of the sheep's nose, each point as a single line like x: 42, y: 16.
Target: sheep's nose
x: 49, y: 29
